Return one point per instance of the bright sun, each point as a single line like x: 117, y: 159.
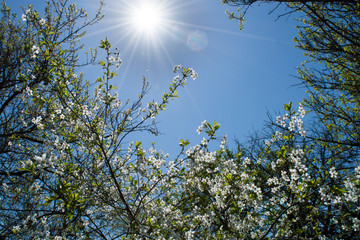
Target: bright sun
x: 147, y: 17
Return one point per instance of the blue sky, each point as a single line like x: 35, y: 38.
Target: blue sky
x: 241, y: 74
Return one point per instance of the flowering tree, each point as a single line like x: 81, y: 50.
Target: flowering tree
x: 291, y: 6
x: 328, y: 35
x: 65, y: 172
x: 281, y: 186
x: 38, y: 59
x: 330, y: 40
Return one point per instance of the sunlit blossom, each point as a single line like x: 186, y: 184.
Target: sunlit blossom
x: 42, y: 21
x: 176, y: 68
x: 16, y: 229
x: 35, y: 51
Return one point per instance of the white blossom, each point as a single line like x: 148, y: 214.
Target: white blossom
x: 16, y: 228
x: 204, y: 142
x: 201, y: 127
x: 193, y: 74
x: 36, y: 120
x: 35, y: 51
x: 223, y: 142
x: 176, y: 68
x: 42, y: 21
x: 333, y: 173
x: 24, y: 17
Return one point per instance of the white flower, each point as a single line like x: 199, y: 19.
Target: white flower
x: 247, y: 161
x: 16, y: 229
x: 292, y: 125
x: 28, y: 91
x: 89, y: 212
x: 201, y: 127
x: 115, y: 59
x: 356, y: 224
x: 176, y: 79
x: 37, y: 120
x: 176, y: 68
x: 204, y: 142
x: 333, y: 173
x: 112, y: 59
x: 357, y: 169
x: 24, y: 17
x: 35, y: 187
x: 294, y: 174
x: 223, y: 142
x: 35, y: 51
x: 189, y: 234
x: 118, y: 64
x: 5, y: 187
x: 301, y: 110
x: 301, y: 128
x: 41, y: 159
x: 86, y: 222
x: 193, y: 74
x: 42, y: 21
x: 58, y: 111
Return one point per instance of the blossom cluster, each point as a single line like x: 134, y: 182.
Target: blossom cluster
x: 31, y: 15
x: 294, y: 120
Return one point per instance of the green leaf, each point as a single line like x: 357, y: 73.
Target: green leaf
x: 216, y: 126
x: 184, y: 143
x: 288, y: 106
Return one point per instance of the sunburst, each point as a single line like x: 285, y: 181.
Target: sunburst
x: 147, y: 17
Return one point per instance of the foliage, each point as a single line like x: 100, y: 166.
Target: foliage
x: 331, y: 37
x: 328, y: 34
x: 277, y: 188
x: 291, y: 6
x: 64, y: 173
x: 38, y: 60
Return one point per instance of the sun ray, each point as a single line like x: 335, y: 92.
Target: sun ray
x: 167, y: 54
x: 236, y: 33
x: 134, y: 47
